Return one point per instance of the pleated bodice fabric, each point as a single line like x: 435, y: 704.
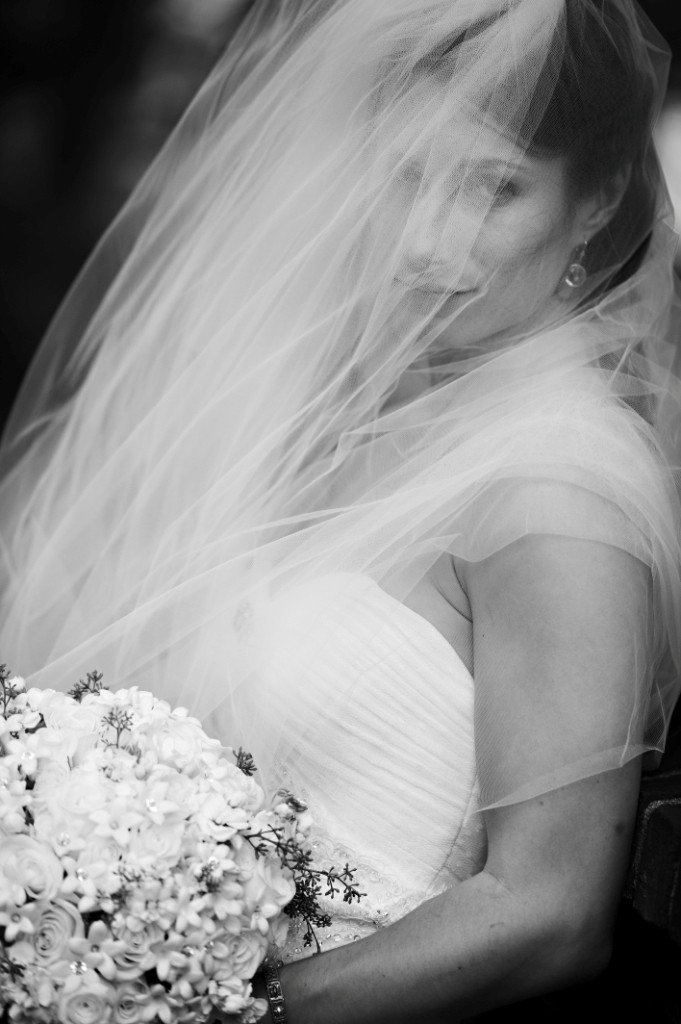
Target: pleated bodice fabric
x: 390, y: 775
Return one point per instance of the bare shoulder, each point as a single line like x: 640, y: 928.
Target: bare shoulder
x: 561, y: 649
x: 554, y: 590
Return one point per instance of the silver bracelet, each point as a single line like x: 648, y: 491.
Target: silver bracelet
x: 274, y: 991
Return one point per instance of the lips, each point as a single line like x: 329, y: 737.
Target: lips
x: 427, y: 287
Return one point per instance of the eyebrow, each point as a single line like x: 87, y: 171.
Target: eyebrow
x: 495, y: 161
x: 491, y: 163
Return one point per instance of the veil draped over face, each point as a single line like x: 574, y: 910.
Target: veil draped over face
x: 327, y: 336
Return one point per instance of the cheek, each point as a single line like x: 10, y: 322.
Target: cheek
x: 526, y: 239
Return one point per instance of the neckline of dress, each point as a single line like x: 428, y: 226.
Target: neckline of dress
x: 430, y: 632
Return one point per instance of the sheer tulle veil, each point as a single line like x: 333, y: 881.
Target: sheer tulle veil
x: 255, y: 384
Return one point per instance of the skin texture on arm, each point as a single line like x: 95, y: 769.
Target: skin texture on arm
x: 557, y: 624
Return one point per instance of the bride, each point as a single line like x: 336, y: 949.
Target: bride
x: 357, y: 437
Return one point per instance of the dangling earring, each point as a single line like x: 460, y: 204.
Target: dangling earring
x: 576, y: 273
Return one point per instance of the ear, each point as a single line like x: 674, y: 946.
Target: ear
x: 600, y: 210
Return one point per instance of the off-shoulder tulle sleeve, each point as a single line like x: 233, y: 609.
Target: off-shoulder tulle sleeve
x: 590, y: 470
x: 551, y: 454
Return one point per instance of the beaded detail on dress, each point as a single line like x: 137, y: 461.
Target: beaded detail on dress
x: 390, y: 776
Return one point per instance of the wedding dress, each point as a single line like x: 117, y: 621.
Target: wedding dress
x: 408, y: 731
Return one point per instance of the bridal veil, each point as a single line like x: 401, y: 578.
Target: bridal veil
x: 251, y: 386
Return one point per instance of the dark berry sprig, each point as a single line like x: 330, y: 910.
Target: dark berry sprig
x: 121, y: 721
x: 8, y: 691
x: 309, y: 880
x: 91, y: 684
x: 245, y: 762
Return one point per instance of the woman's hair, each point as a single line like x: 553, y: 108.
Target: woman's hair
x: 601, y: 88
x: 592, y: 103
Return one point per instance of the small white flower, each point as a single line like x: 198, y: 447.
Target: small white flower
x: 15, y: 922
x: 98, y: 949
x: 228, y: 992
x: 14, y: 797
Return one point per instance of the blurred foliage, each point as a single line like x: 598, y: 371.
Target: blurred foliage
x: 90, y: 92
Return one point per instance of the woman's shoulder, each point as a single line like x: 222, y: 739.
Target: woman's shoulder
x: 574, y: 461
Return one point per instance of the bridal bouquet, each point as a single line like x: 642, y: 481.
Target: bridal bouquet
x: 143, y: 873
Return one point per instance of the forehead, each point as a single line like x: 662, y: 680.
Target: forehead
x: 435, y: 125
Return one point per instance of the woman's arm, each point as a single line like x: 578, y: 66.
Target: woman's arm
x: 558, y: 625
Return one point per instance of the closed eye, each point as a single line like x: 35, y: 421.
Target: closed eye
x: 505, y: 191
x: 489, y: 187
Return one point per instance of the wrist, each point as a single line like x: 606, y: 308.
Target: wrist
x: 260, y: 992
x: 274, y: 992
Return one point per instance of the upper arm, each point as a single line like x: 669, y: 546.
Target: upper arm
x: 560, y: 635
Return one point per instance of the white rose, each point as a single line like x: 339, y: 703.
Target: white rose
x: 80, y: 790
x: 32, y: 866
x: 132, y: 1001
x: 51, y: 775
x: 240, y: 954
x: 86, y: 999
x: 61, y: 711
x: 55, y: 923
x: 178, y: 742
x: 266, y: 886
x: 75, y: 724
x: 36, y: 695
x: 156, y: 844
x: 240, y: 790
x: 144, y: 702
x: 212, y: 806
x: 142, y: 949
x: 64, y: 803
x: 103, y: 699
x: 100, y: 848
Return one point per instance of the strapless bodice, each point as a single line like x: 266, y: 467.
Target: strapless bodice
x: 389, y: 769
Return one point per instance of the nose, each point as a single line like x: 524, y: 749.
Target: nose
x: 425, y: 236
x: 438, y: 239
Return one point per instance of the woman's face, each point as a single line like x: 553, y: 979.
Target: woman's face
x: 486, y: 231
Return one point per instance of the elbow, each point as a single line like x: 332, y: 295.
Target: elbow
x: 550, y: 938
x: 579, y: 950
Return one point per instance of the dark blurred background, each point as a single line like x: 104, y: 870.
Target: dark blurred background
x: 89, y: 93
